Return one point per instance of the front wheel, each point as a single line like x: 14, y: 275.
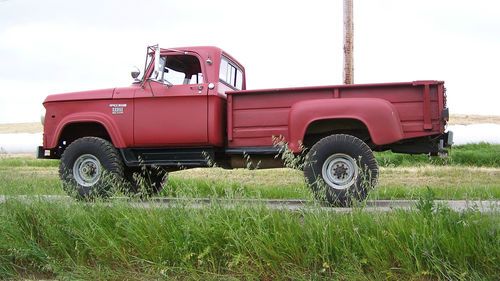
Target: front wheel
x: 90, y: 167
x: 340, y: 168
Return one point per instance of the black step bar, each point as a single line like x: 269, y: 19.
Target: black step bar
x: 168, y: 157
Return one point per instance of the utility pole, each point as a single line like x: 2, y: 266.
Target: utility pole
x: 348, y: 43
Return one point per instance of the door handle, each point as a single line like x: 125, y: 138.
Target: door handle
x: 199, y: 88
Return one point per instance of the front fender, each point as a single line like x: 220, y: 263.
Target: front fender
x: 379, y: 116
x: 82, y: 117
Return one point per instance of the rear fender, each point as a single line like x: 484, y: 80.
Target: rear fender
x: 85, y: 117
x: 378, y: 115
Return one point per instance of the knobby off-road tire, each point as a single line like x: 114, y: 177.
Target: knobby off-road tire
x: 341, y: 168
x: 90, y: 168
x: 145, y: 181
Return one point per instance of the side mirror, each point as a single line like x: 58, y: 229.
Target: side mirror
x: 135, y: 73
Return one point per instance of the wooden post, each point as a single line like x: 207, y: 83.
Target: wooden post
x: 348, y: 43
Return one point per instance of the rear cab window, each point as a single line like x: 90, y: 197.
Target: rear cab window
x: 230, y: 74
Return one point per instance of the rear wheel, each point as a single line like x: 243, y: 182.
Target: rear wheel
x: 90, y: 167
x: 341, y: 168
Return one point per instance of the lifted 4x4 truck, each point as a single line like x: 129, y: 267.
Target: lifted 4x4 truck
x: 192, y: 108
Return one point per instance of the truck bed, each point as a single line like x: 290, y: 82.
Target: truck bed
x: 255, y: 116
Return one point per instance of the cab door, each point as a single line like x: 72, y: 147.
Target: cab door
x: 172, y: 111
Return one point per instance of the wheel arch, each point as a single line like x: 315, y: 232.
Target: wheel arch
x: 319, y: 128
x: 377, y: 116
x: 93, y: 124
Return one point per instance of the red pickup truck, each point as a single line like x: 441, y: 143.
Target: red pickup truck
x: 191, y: 108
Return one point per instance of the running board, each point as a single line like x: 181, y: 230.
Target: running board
x: 167, y: 157
x: 253, y: 150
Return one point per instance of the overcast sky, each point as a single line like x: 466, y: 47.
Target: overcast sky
x: 49, y: 46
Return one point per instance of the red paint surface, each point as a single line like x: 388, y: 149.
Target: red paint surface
x: 174, y: 115
x: 391, y: 111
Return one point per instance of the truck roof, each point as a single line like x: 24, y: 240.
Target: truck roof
x: 205, y: 52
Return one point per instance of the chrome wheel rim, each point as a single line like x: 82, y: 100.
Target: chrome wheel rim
x: 87, y: 170
x: 340, y: 171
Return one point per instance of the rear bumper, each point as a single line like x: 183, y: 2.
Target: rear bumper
x: 446, y: 139
x: 433, y: 145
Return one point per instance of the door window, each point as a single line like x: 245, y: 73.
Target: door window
x: 179, y: 70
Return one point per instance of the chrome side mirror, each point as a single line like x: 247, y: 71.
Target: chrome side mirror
x: 158, y: 64
x: 135, y: 73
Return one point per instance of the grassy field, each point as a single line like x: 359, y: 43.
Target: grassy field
x: 394, y: 183
x: 479, y: 155
x: 402, y: 176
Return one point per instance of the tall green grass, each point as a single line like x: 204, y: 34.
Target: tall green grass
x: 394, y: 183
x: 480, y: 155
x: 99, y: 241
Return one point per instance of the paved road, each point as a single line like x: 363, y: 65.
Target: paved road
x: 292, y: 205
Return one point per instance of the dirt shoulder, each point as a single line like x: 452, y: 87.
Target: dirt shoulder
x: 14, y: 128
x: 468, y: 119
